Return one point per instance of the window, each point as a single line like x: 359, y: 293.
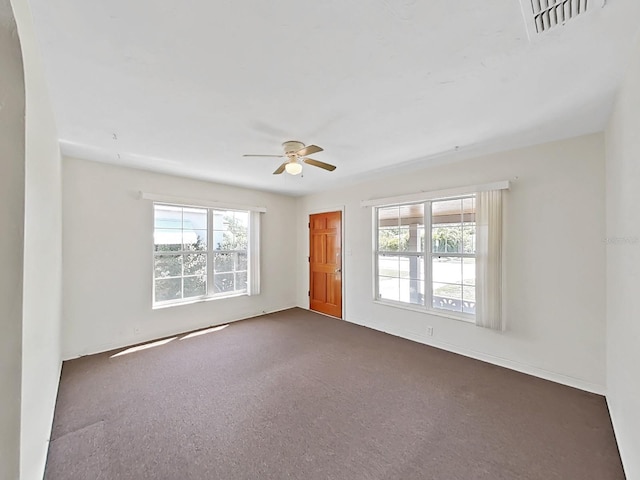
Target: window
x: 201, y: 253
x: 425, y: 254
x: 453, y: 255
x: 230, y: 250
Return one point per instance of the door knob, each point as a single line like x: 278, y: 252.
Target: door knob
x: 338, y: 270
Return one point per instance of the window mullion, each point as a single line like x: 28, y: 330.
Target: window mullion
x: 428, y: 237
x: 210, y: 251
x: 376, y: 253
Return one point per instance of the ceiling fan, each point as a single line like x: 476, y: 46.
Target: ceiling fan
x: 295, y: 152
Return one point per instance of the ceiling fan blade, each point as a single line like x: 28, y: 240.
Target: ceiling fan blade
x: 270, y: 156
x: 309, y: 150
x: 280, y: 169
x: 317, y: 163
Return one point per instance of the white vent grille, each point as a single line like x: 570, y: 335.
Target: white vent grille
x: 551, y: 13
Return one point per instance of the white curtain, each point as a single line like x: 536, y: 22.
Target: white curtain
x: 253, y: 284
x: 489, y: 260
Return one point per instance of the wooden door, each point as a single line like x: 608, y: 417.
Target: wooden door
x: 325, y: 263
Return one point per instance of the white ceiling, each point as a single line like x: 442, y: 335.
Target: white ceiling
x: 187, y: 87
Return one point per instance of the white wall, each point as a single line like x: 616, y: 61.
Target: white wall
x: 42, y: 302
x: 12, y: 172
x: 623, y: 269
x: 108, y: 237
x: 555, y: 260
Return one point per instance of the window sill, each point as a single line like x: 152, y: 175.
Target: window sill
x: 438, y: 313
x: 191, y: 301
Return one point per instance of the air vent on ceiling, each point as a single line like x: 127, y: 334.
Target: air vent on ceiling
x: 551, y: 13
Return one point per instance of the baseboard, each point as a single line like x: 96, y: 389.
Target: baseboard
x: 106, y: 347
x: 492, y: 359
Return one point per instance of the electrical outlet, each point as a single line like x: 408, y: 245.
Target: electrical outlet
x: 430, y: 331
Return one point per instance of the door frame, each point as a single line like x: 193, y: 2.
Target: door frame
x: 342, y: 209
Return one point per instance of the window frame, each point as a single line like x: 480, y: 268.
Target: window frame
x: 209, y: 253
x: 427, y: 253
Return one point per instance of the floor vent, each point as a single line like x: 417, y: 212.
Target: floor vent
x: 551, y: 13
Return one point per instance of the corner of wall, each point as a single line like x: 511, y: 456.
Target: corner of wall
x: 42, y: 259
x: 623, y: 266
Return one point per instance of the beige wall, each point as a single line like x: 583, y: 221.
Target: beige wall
x: 555, y: 260
x: 623, y: 269
x: 42, y: 258
x: 12, y: 174
x: 108, y: 235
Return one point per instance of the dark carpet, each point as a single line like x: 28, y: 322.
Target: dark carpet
x: 296, y: 395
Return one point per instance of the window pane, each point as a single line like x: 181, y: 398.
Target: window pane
x: 412, y: 224
x: 388, y: 266
x: 469, y: 238
x: 469, y: 300
x: 223, y: 282
x: 195, y: 264
x: 388, y: 239
x: 447, y: 296
x: 195, y: 240
x: 388, y: 217
x: 194, y: 219
x: 446, y: 269
x: 412, y: 214
x: 167, y: 266
x: 169, y: 289
x: 195, y: 286
x: 167, y: 217
x: 218, y: 220
x: 223, y: 262
x: 231, y: 230
x: 238, y: 225
x: 469, y: 209
x: 227, y: 216
x: 469, y: 271
x: 446, y: 238
x: 403, y: 240
x: 243, y: 219
x: 239, y: 240
x: 469, y: 225
x: 446, y: 211
x: 389, y: 288
x: 412, y: 267
x: 411, y: 291
x: 167, y: 240
x: 241, y: 281
x: 242, y: 261
x: 219, y: 241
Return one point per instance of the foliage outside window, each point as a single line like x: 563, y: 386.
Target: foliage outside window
x: 230, y: 246
x: 425, y: 254
x: 199, y: 252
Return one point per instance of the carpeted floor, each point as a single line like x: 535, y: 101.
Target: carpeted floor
x: 296, y: 395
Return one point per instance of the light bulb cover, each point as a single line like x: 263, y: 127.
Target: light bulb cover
x: 293, y: 168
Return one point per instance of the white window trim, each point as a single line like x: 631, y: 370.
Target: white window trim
x: 194, y: 202
x: 253, y: 251
x: 427, y: 256
x: 429, y: 311
x: 436, y: 194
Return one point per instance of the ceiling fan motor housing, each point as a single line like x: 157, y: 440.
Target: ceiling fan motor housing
x: 292, y: 146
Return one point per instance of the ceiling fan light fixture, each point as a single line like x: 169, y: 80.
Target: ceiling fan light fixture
x: 295, y: 154
x: 293, y: 168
